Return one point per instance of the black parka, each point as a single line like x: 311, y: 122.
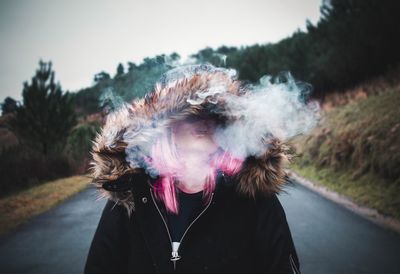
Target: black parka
x: 243, y: 229
x: 233, y: 234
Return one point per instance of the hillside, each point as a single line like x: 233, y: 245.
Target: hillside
x: 355, y: 149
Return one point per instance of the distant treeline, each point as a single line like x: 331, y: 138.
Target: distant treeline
x: 353, y: 41
x: 125, y: 85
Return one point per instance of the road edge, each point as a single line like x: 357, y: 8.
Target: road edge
x: 361, y: 210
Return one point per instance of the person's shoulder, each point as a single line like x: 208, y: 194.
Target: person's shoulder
x: 268, y: 203
x: 112, y: 206
x: 114, y: 211
x: 267, y: 199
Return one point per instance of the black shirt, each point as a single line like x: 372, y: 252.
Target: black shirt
x: 190, y: 206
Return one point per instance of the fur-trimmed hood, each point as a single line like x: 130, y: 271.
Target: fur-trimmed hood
x: 136, y: 125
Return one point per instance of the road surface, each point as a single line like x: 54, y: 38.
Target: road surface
x: 329, y: 239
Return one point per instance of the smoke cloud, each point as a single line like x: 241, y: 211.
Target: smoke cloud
x: 273, y: 108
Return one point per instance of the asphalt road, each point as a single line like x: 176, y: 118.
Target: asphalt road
x: 329, y: 239
x: 54, y: 242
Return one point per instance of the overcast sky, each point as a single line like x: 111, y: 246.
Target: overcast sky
x: 82, y: 38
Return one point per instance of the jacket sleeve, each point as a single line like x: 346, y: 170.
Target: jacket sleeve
x: 274, y: 240
x: 109, y: 250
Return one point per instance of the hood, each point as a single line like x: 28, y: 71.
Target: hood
x: 138, y: 123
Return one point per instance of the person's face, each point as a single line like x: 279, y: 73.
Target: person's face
x: 195, y: 137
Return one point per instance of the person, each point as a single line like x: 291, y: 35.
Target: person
x: 178, y: 200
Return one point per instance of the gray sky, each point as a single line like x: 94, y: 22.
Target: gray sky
x: 82, y: 38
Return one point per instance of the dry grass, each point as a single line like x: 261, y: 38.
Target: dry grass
x: 18, y: 208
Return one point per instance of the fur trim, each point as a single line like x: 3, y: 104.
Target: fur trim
x: 265, y: 174
x: 133, y: 126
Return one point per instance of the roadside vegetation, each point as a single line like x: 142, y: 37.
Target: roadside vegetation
x: 355, y: 150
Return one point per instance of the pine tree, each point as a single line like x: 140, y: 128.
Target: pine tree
x: 120, y: 70
x: 9, y: 105
x: 46, y: 116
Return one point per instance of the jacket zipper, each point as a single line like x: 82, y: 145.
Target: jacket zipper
x: 175, y: 254
x: 198, y: 216
x: 165, y: 223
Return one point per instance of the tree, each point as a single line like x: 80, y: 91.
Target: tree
x: 9, y: 106
x: 120, y: 70
x: 174, y: 56
x: 101, y: 76
x: 131, y: 66
x: 46, y: 116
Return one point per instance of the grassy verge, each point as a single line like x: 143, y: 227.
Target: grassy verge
x: 19, y: 207
x: 355, y: 151
x: 368, y: 190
